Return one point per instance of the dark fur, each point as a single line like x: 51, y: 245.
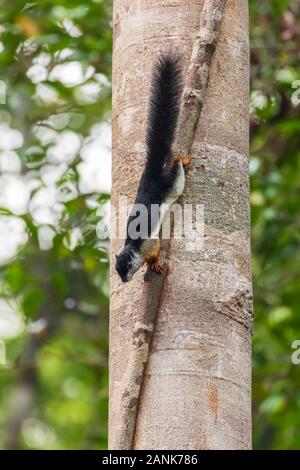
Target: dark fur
x: 123, y: 262
x: 159, y: 175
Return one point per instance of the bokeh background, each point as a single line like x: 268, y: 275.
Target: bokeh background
x: 55, y: 110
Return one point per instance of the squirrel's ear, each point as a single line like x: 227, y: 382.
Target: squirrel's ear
x: 116, y: 256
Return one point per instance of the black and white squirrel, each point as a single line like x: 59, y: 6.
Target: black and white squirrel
x: 163, y: 178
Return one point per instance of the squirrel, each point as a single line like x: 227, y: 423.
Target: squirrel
x: 163, y: 178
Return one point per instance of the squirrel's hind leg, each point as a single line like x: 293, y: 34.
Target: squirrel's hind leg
x: 184, y: 160
x: 175, y: 177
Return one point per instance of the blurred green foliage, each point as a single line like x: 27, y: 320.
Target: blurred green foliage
x: 53, y: 389
x: 275, y: 191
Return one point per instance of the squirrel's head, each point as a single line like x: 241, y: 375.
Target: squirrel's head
x: 128, y: 262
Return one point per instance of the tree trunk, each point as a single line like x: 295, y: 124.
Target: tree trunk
x: 196, y: 386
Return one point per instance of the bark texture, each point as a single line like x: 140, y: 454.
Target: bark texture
x: 196, y: 393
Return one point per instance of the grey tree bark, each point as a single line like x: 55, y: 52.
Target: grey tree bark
x: 193, y: 391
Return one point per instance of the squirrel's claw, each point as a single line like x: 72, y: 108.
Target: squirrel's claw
x: 157, y: 267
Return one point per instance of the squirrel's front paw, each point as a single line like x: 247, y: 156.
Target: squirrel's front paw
x: 156, y: 267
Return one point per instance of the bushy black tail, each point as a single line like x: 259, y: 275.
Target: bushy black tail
x: 165, y: 97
